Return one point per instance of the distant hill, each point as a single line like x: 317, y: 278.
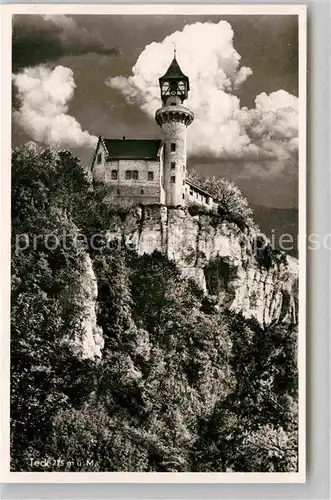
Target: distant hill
x: 275, y: 222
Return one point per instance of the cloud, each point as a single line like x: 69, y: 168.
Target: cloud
x: 222, y: 128
x: 43, y: 112
x: 37, y: 39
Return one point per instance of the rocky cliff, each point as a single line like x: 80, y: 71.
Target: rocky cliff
x: 88, y: 342
x: 221, y: 258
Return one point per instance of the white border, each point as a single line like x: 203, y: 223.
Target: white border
x: 150, y: 477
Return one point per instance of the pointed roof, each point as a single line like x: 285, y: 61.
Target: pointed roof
x: 174, y: 73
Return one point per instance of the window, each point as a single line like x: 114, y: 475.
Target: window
x: 142, y: 191
x: 99, y: 158
x: 183, y: 183
x: 114, y: 175
x: 191, y: 192
x: 173, y: 104
x: 183, y: 196
x: 173, y: 179
x: 173, y: 164
x: 118, y: 191
x: 207, y: 201
x: 150, y: 176
x: 131, y: 174
x: 173, y: 146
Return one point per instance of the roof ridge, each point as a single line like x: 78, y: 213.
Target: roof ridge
x: 126, y: 139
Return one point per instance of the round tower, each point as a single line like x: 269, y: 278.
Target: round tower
x: 174, y: 119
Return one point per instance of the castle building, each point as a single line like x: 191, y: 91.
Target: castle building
x: 140, y: 171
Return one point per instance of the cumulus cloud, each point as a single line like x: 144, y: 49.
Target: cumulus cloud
x: 43, y: 112
x: 37, y: 39
x: 222, y: 128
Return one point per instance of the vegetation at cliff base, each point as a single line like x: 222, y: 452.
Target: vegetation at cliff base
x: 180, y: 386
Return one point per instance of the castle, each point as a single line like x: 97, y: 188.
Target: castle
x: 140, y: 171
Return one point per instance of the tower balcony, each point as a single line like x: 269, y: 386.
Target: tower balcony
x: 174, y: 113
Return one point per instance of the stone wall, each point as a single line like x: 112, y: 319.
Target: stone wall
x: 141, y: 190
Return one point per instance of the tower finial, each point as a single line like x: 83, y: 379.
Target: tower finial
x: 174, y: 50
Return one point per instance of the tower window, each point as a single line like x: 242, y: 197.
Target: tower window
x: 173, y: 179
x: 99, y: 158
x: 173, y: 164
x: 173, y: 146
x: 114, y: 175
x: 150, y: 176
x: 135, y: 175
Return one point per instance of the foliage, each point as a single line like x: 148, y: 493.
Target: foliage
x: 255, y: 428
x: 45, y: 374
x: 179, y: 387
x: 196, y: 209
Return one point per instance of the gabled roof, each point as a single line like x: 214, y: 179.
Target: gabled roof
x: 132, y: 149
x: 174, y: 73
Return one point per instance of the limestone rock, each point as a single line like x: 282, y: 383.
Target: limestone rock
x: 89, y: 340
x: 204, y: 245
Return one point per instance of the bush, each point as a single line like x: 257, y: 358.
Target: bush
x: 195, y: 209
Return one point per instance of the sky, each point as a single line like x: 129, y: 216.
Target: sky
x: 78, y: 77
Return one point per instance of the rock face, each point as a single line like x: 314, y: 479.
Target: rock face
x: 218, y: 256
x: 89, y: 340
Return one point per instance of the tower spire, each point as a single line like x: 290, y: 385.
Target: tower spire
x: 174, y: 44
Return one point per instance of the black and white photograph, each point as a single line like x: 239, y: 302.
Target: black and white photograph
x: 157, y: 267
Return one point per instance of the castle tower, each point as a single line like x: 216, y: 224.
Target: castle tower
x: 174, y: 119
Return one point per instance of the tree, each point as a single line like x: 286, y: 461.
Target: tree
x: 254, y: 429
x: 45, y: 185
